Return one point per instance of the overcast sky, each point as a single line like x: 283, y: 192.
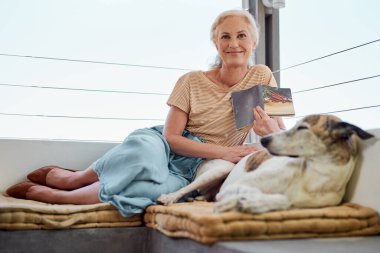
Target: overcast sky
x: 172, y: 37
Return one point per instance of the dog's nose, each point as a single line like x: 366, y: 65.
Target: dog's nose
x: 265, y: 141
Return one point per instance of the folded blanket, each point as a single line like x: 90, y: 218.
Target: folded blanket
x: 27, y: 214
x: 197, y: 221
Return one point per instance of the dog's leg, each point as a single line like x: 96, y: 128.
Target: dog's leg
x: 250, y: 200
x: 202, y: 181
x: 263, y: 203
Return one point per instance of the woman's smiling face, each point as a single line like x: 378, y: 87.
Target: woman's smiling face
x: 234, y: 42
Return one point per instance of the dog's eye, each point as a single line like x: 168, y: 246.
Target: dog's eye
x: 301, y: 128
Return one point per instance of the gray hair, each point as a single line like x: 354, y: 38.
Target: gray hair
x: 253, y: 29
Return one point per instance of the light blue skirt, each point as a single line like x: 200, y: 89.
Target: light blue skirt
x: 136, y: 172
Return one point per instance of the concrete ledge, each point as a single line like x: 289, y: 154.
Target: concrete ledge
x: 146, y: 240
x: 102, y: 240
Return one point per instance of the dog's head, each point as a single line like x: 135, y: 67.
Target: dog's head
x: 317, y: 135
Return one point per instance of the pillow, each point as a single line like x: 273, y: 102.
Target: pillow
x: 197, y: 221
x: 28, y: 214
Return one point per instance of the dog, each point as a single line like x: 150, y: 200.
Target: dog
x: 306, y: 166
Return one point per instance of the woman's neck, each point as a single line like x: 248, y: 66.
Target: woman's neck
x: 231, y: 76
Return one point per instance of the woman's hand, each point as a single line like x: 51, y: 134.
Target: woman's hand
x: 263, y: 124
x: 236, y: 153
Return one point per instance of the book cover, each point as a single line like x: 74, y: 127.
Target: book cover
x: 275, y: 102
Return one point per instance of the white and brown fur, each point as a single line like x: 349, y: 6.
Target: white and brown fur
x: 309, y: 166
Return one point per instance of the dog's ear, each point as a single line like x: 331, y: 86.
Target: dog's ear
x: 344, y: 130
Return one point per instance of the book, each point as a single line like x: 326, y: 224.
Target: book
x: 275, y: 102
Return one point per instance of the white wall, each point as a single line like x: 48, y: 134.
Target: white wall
x: 18, y: 157
x: 364, y: 186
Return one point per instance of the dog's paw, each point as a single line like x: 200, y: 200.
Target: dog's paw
x: 234, y: 190
x: 249, y: 200
x: 202, y: 198
x: 247, y: 204
x: 241, y: 203
x: 167, y: 199
x: 257, y: 202
x: 227, y: 200
x: 225, y: 205
x: 198, y: 198
x: 263, y: 203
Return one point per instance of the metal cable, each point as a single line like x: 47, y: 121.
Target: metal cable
x: 78, y: 117
x: 164, y: 94
x: 322, y: 57
x: 97, y: 62
x: 332, y: 112
x: 336, y: 84
x: 82, y: 89
x: 174, y: 68
x: 155, y: 119
x: 151, y: 93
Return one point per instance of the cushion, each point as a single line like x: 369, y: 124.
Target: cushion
x: 28, y: 214
x: 197, y: 221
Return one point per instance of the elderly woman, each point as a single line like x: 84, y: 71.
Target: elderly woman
x: 162, y: 159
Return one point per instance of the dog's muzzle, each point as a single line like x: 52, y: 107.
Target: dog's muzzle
x: 265, y: 141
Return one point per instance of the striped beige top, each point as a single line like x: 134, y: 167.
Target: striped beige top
x: 209, y: 106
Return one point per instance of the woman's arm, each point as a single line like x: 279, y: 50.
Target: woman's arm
x: 175, y: 124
